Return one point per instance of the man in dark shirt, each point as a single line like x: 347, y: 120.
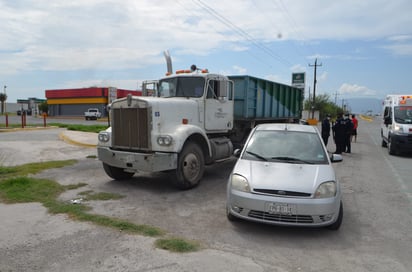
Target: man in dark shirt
x: 339, y: 134
x: 326, y: 129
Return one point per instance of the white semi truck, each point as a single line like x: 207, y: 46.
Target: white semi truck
x: 190, y: 119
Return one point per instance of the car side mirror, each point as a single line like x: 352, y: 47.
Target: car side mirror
x: 336, y: 158
x: 237, y: 152
x: 387, y: 120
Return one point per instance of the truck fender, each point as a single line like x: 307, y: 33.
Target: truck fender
x: 194, y: 134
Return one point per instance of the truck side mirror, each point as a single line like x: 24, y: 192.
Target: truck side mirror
x: 222, y: 92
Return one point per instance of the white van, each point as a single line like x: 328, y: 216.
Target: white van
x: 396, y: 129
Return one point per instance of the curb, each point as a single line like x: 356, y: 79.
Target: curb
x: 67, y: 139
x: 25, y: 128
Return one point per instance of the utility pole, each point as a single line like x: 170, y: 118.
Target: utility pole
x: 336, y: 97
x: 5, y: 101
x: 314, y: 85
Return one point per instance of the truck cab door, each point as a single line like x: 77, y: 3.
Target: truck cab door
x: 219, y: 105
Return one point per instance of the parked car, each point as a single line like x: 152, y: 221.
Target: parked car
x: 284, y: 176
x: 92, y: 114
x: 27, y: 112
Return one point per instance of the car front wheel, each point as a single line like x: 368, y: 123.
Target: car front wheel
x: 338, y: 222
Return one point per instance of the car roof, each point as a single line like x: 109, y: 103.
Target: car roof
x: 287, y: 127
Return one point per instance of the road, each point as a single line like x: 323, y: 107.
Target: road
x: 375, y: 234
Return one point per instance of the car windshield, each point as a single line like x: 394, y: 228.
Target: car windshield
x: 285, y: 146
x: 403, y: 114
x: 182, y: 87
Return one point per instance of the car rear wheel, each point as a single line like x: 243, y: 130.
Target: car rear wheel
x: 338, y: 222
x: 116, y: 173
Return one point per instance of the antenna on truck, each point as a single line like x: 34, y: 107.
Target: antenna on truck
x: 168, y: 62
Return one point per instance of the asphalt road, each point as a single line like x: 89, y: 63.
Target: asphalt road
x: 375, y: 234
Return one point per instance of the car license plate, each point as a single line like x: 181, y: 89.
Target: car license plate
x: 280, y: 208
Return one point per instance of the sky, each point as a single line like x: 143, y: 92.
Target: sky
x: 362, y: 48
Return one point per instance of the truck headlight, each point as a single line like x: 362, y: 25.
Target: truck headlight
x: 326, y: 190
x: 239, y: 183
x: 164, y: 140
x: 104, y: 136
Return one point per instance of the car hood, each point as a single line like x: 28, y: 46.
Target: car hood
x: 303, y: 178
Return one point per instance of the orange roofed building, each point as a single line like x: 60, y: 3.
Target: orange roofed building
x: 74, y: 102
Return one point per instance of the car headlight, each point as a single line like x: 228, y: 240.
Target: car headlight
x: 398, y: 128
x: 239, y: 183
x: 104, y: 136
x: 164, y: 140
x: 326, y: 190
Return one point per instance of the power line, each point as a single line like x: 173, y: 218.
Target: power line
x: 240, y: 31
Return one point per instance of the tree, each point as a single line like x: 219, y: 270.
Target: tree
x: 3, y: 98
x: 43, y: 107
x: 324, y: 105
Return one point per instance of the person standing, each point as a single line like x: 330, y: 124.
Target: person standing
x: 338, y: 130
x: 348, y: 133
x: 326, y: 129
x: 355, y: 128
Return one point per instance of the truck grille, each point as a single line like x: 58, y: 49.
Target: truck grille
x: 130, y: 128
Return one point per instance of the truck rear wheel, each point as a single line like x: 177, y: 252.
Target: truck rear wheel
x: 190, y: 167
x: 116, y: 173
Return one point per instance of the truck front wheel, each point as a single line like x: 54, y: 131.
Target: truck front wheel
x: 116, y: 173
x: 190, y: 167
x: 391, y: 148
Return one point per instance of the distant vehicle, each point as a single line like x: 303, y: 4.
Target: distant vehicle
x: 284, y: 176
x: 27, y: 112
x: 396, y: 128
x: 92, y: 114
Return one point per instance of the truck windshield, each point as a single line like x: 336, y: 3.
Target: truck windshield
x: 182, y: 87
x: 403, y: 114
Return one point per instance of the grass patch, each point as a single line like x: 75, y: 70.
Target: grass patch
x: 7, y: 170
x: 74, y: 186
x: 89, y: 195
x: 32, y: 168
x: 84, y: 128
x: 15, y: 188
x: 79, y: 212
x: 77, y: 127
x: 25, y: 189
x: 177, y: 245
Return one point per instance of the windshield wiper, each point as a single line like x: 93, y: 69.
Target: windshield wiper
x: 257, y: 155
x: 291, y: 160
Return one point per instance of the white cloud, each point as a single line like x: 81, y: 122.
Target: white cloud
x: 355, y: 90
x: 239, y: 70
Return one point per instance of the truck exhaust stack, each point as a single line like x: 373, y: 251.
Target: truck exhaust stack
x: 168, y: 62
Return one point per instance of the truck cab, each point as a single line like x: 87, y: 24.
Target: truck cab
x: 396, y: 128
x: 181, y: 125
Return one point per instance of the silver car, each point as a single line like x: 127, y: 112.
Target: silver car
x: 284, y: 176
